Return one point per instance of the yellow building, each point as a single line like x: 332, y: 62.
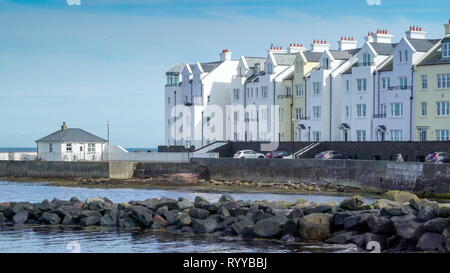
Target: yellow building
x: 432, y: 90
x: 293, y: 103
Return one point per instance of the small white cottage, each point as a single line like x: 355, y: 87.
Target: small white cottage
x: 71, y: 144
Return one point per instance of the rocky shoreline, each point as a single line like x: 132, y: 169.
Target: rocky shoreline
x: 400, y: 222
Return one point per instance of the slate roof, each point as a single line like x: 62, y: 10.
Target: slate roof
x: 422, y: 45
x: 251, y: 61
x: 434, y: 58
x: 383, y: 48
x: 284, y: 58
x: 209, y: 67
x: 71, y: 135
x: 177, y: 69
x: 348, y: 71
x: 252, y: 78
x: 312, y: 56
x: 340, y: 55
x: 389, y: 66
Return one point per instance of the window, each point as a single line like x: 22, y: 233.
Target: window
x: 236, y: 94
x: 446, y: 50
x: 347, y: 111
x: 326, y: 64
x: 367, y: 59
x: 423, y: 109
x: 172, y: 79
x: 81, y: 148
x: 362, y: 84
x: 397, y: 109
x: 91, y: 147
x: 69, y: 147
x: 406, y: 55
x: 264, y: 91
x: 256, y: 92
x: 442, y: 108
x: 208, y: 98
x: 50, y: 147
x: 316, y: 88
x: 383, y: 109
x: 443, y: 81
x: 403, y: 82
x: 400, y: 56
x: 316, y: 136
x: 361, y: 135
x: 288, y: 91
x: 424, y: 81
x: 423, y: 135
x: 235, y: 116
x: 396, y: 135
x: 442, y: 135
x: 298, y: 113
x: 361, y: 110
x: 299, y: 90
x: 316, y: 112
x: 168, y: 100
x: 347, y: 85
x: 269, y: 68
x: 386, y: 83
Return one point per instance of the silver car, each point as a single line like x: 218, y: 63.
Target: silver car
x: 248, y: 154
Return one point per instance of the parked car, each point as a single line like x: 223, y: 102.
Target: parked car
x: 331, y: 155
x: 438, y: 157
x: 248, y: 154
x: 277, y: 154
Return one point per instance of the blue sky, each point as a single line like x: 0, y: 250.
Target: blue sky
x: 105, y: 59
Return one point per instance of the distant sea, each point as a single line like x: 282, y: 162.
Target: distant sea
x: 27, y: 150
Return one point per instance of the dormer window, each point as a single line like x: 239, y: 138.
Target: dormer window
x: 446, y: 50
x: 270, y: 68
x: 241, y: 72
x: 367, y: 59
x: 326, y: 63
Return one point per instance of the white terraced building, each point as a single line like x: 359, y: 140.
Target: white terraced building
x: 353, y: 93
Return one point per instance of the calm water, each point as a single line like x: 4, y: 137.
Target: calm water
x: 60, y: 239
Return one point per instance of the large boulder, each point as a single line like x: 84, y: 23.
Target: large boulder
x: 408, y: 227
x: 295, y: 214
x: 110, y: 218
x: 419, y: 204
x: 159, y: 222
x: 184, y: 204
x: 380, y: 225
x: 172, y: 216
x: 199, y: 213
x: 90, y: 221
x: 226, y: 198
x: 128, y: 222
x: 443, y: 210
x: 244, y: 227
x: 207, y: 225
x: 20, y: 218
x: 44, y: 206
x: 357, y: 222
x: 49, y: 218
x: 353, y: 203
x: 426, y: 213
x: 446, y: 233
x: 142, y: 215
x: 185, y: 220
x: 270, y: 227
x: 315, y: 227
x: 436, y: 225
x: 89, y: 213
x: 399, y: 196
x: 339, y: 217
x: 340, y: 238
x: 430, y: 241
x: 3, y: 219
x: 168, y: 202
x: 72, y: 211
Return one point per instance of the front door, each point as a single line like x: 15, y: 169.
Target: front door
x: 345, y: 135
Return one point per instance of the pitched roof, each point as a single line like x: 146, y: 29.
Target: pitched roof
x: 434, y: 58
x: 348, y: 71
x: 209, y: 67
x: 284, y: 58
x: 252, y: 78
x: 340, y: 55
x: 251, y: 61
x: 312, y: 56
x: 383, y: 48
x: 71, y: 135
x: 422, y: 45
x: 389, y: 66
x: 177, y: 68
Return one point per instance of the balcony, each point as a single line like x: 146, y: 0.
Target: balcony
x: 363, y: 64
x: 390, y: 88
x: 287, y: 96
x: 379, y: 116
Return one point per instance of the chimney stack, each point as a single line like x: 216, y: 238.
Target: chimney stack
x: 64, y: 126
x: 447, y: 29
x: 225, y: 55
x: 382, y: 36
x: 416, y: 32
x: 319, y: 46
x: 369, y: 37
x: 296, y: 47
x: 346, y: 43
x: 277, y: 49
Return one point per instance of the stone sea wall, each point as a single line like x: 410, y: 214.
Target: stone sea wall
x: 401, y: 222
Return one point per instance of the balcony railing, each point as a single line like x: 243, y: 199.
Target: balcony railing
x: 363, y: 64
x: 303, y: 118
x: 379, y: 116
x: 390, y: 88
x: 287, y: 96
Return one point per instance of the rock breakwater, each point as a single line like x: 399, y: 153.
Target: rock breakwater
x: 400, y: 222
